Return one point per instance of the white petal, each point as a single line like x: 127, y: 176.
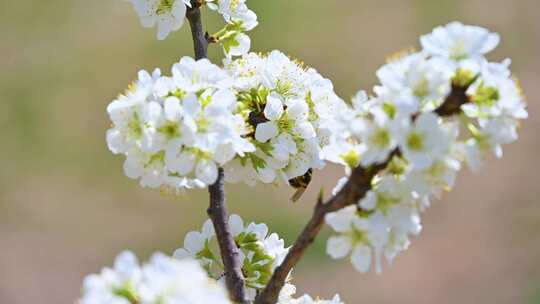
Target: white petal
x: 181, y: 254
x: 261, y: 230
x: 305, y: 130
x: 194, y: 242
x: 132, y: 170
x: 126, y: 263
x: 179, y: 13
x: 244, y: 44
x: 265, y: 131
x: 116, y: 142
x: 341, y: 220
x: 236, y: 224
x: 191, y: 105
x: 370, y: 201
x: 208, y: 228
x: 225, y: 98
x: 165, y: 26
x: 183, y: 164
x: 207, y: 171
x: 274, y: 108
x: 173, y: 110
x: 427, y: 121
x: 361, y: 258
x: 338, y: 246
x: 298, y: 110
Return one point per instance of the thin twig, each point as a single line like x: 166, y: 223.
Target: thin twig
x: 359, y: 183
x: 217, y: 211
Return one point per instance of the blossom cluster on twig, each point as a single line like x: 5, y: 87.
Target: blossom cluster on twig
x: 169, y: 16
x: 408, y: 124
x: 267, y: 118
x: 194, y: 274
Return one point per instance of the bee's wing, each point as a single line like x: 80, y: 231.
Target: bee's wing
x: 298, y: 194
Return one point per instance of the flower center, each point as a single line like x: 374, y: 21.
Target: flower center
x: 351, y: 158
x: 170, y: 129
x: 234, y: 4
x: 164, y: 6
x: 380, y: 138
x: 458, y: 51
x: 134, y: 127
x: 421, y: 90
x: 486, y: 96
x: 415, y: 141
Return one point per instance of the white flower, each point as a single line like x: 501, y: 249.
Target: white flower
x: 130, y: 112
x: 234, y: 10
x: 239, y: 20
x: 195, y: 243
x: 289, y: 109
x: 168, y: 14
x: 162, y: 280
x: 190, y: 75
x: 149, y: 167
x: 261, y: 252
x: 293, y: 120
x: 216, y: 134
x: 424, y: 141
x: 457, y: 41
x: 240, y: 46
x: 290, y: 134
x: 413, y: 83
x: 439, y: 176
x: 353, y: 238
x: 378, y: 136
x: 117, y: 285
x: 495, y: 94
x: 172, y: 281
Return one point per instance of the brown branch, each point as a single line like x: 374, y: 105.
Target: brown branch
x: 217, y: 211
x: 230, y: 253
x: 359, y: 183
x: 200, y: 43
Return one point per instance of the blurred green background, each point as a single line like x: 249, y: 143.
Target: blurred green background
x: 66, y: 209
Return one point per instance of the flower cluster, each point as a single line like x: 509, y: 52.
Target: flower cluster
x: 267, y: 118
x: 262, y: 118
x: 166, y: 280
x: 163, y: 280
x: 176, y: 131
x: 169, y: 16
x: 260, y: 252
x: 434, y: 110
x: 240, y: 19
x: 287, y: 106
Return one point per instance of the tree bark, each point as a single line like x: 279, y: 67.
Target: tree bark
x: 230, y: 254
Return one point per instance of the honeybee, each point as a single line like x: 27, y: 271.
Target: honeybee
x: 300, y: 183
